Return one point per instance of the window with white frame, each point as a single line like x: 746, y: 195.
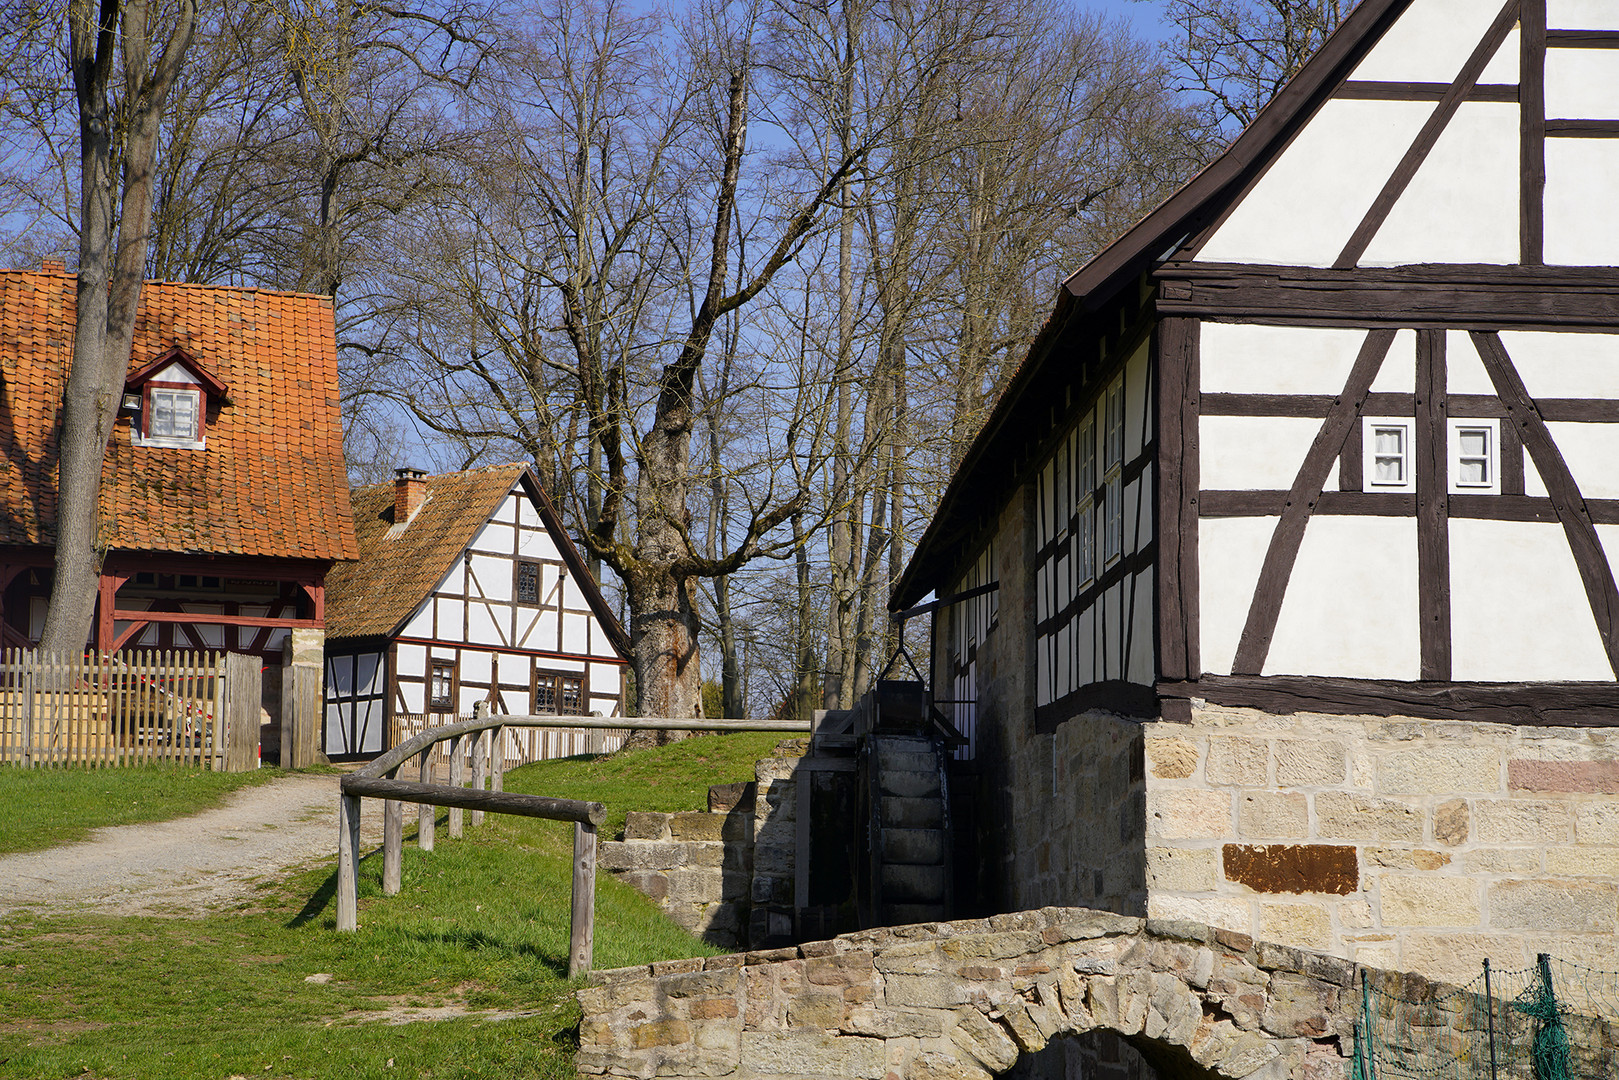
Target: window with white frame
x: 441, y: 686
x: 1113, y: 472
x: 1386, y: 454
x: 171, y: 416
x: 1084, y: 539
x: 1475, y: 457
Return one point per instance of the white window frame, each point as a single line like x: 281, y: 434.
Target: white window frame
x: 1085, y: 502
x: 1113, y: 472
x: 197, y: 440
x: 1369, y: 427
x: 1492, y: 456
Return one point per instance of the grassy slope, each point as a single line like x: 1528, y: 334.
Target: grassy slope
x: 482, y: 921
x: 46, y: 807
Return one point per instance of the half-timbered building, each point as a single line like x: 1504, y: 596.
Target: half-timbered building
x: 467, y: 589
x: 224, y: 498
x: 1328, y: 438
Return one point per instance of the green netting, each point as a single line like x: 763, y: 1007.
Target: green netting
x: 1554, y: 1021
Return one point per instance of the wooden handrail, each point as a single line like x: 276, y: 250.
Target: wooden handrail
x: 375, y: 780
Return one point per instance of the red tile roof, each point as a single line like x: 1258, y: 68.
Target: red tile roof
x: 271, y: 481
x: 395, y: 573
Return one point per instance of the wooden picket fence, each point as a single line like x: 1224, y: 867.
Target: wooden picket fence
x: 127, y: 708
x: 518, y: 746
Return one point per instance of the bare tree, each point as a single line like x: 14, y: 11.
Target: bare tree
x: 121, y: 90
x: 1239, y: 52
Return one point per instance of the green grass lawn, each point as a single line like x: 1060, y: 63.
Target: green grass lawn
x: 481, y: 923
x: 46, y: 807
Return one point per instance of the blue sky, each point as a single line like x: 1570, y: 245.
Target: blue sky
x: 1143, y: 14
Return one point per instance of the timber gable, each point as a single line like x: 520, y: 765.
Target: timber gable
x: 1379, y: 350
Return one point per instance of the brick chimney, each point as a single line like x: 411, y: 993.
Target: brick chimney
x: 52, y: 266
x: 410, y: 489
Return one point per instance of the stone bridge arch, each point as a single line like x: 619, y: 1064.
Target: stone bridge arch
x: 966, y: 1000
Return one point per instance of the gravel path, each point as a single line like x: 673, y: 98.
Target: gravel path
x: 189, y: 865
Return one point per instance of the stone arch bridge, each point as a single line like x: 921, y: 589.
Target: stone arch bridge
x: 967, y: 1000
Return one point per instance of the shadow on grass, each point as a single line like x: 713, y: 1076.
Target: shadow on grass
x: 317, y: 902
x: 478, y: 941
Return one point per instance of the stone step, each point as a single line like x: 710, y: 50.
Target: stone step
x: 904, y: 744
x: 909, y: 784
x: 919, y: 847
x: 913, y: 884
x: 900, y: 813
x: 907, y: 914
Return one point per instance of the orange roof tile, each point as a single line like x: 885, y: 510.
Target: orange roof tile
x: 241, y: 495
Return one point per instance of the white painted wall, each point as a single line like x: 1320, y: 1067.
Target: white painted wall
x: 1307, y: 205
x: 1230, y: 552
x: 1591, y: 452
x: 1582, y: 216
x: 1351, y: 604
x: 1247, y: 358
x: 1565, y: 365
x: 1256, y: 453
x: 1431, y: 41
x: 1582, y: 15
x: 1462, y: 204
x: 1582, y: 83
x: 1518, y: 607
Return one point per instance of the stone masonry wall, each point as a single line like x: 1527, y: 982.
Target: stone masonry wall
x: 966, y: 1000
x: 726, y: 875
x: 1417, y: 845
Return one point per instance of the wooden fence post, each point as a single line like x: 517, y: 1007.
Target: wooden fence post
x: 582, y: 930
x: 244, y: 690
x: 393, y: 842
x: 457, y: 779
x: 427, y: 812
x: 27, y: 662
x: 348, y: 862
x: 497, y: 759
x: 479, y: 767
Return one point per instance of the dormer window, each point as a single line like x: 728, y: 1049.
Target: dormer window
x: 168, y: 399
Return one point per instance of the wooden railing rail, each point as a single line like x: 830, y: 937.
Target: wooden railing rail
x: 376, y: 780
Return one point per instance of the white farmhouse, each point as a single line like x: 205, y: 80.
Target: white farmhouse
x: 467, y: 589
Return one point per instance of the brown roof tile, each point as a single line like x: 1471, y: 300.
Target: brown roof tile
x: 165, y: 499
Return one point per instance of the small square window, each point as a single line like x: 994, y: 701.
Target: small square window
x: 1475, y: 457
x: 441, y: 686
x: 1386, y: 452
x: 173, y: 416
x: 558, y: 695
x: 527, y: 588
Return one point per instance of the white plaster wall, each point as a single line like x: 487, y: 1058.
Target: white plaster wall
x: 1432, y: 40
x: 1304, y: 209
x: 1462, y: 204
x: 1518, y: 607
x: 1137, y: 402
x: 1464, y: 371
x: 450, y: 619
x: 1143, y: 660
x: 420, y: 624
x: 493, y: 575
x: 1582, y: 15
x: 1565, y: 365
x: 575, y: 633
x: 536, y: 629
x: 482, y: 626
x: 1398, y: 375
x: 1246, y: 358
x: 476, y: 666
x: 538, y: 545
x: 494, y: 537
x: 1351, y: 604
x: 1255, y: 453
x: 1591, y: 451
x: 1582, y: 216
x: 1582, y: 83
x: 1230, y: 552
x: 412, y: 660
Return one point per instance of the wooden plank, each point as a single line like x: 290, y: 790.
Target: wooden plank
x: 1581, y: 129
x: 1283, y: 551
x: 457, y: 780
x: 1170, y: 345
x: 1435, y: 125
x: 1543, y: 704
x: 582, y: 923
x: 464, y: 798
x: 1578, y: 39
x: 1532, y: 133
x: 497, y: 761
x: 426, y: 813
x: 480, y: 743
x: 1583, y: 541
x: 393, y: 844
x: 1363, y: 90
x: 1432, y: 458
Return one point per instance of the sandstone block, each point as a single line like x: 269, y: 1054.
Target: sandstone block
x: 1458, y: 958
x: 1227, y: 913
x: 1187, y: 815
x: 1583, y: 861
x: 1424, y: 859
x: 1182, y: 869
x: 640, y: 855
x: 1172, y: 759
x: 1437, y: 769
x: 794, y: 1053
x: 695, y: 825
x: 1299, y: 1006
x: 1309, y: 763
x: 821, y: 1009
x: 709, y: 855
x: 1580, y: 907
x: 1341, y: 815
x: 699, y: 983
x: 1238, y: 759
x: 1273, y: 815
x: 984, y: 1041
x: 895, y: 1023
x: 925, y: 991
x: 660, y: 1033
x: 1428, y: 900
x: 1451, y: 822
x: 696, y: 886
x: 1304, y: 926
x: 1293, y: 868
x: 1597, y: 823
x: 723, y: 798
x: 1593, y: 777
x: 653, y: 884
x: 643, y: 825
x: 1521, y: 821
x: 1501, y: 861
